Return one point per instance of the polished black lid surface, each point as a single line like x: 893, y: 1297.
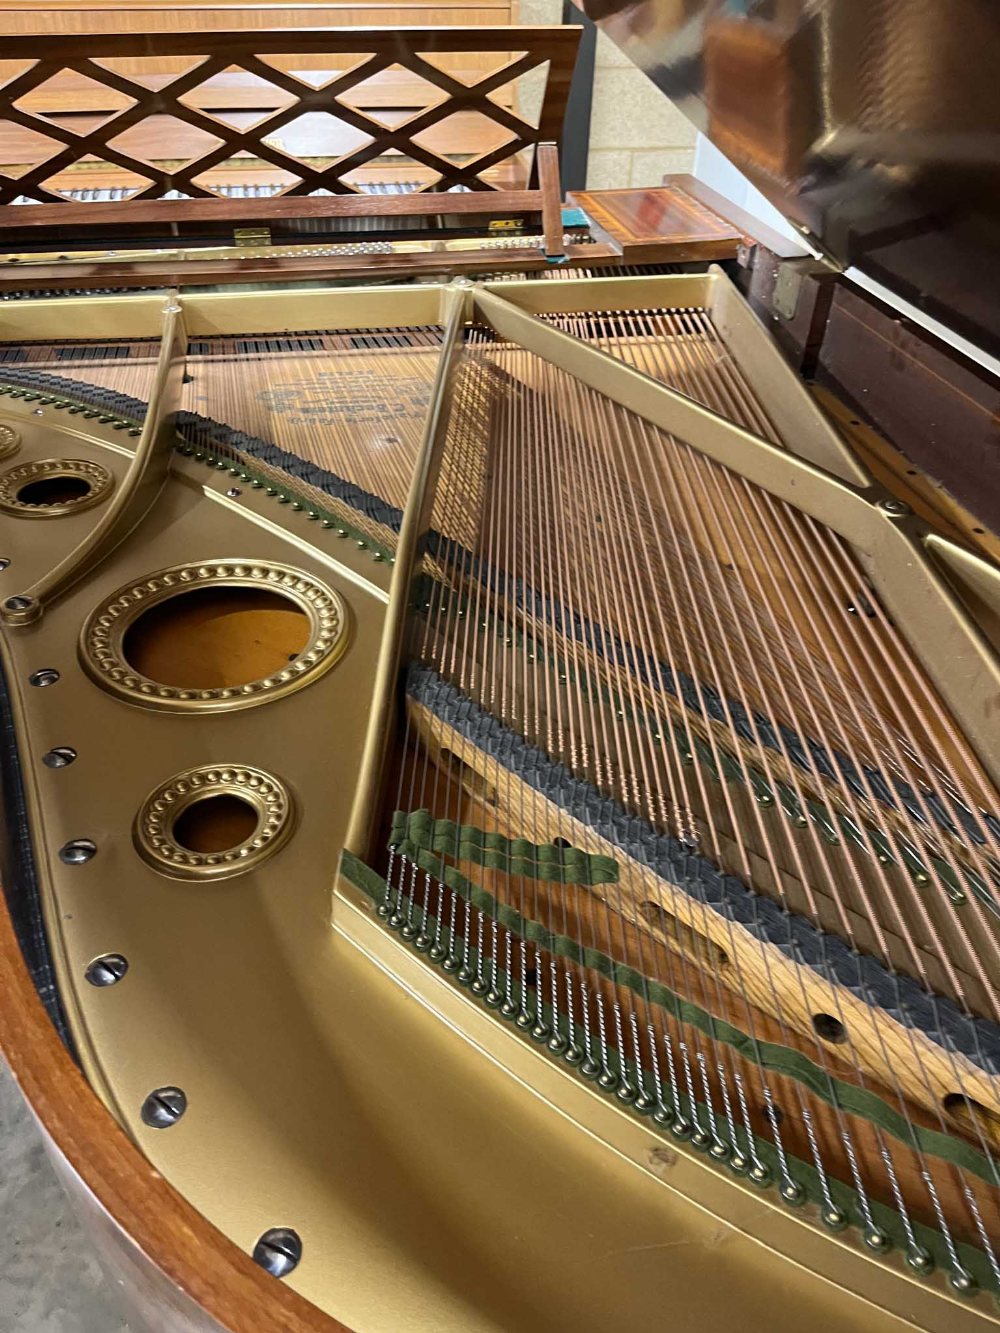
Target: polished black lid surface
x: 873, y: 125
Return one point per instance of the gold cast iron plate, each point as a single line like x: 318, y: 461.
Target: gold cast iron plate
x: 103, y: 634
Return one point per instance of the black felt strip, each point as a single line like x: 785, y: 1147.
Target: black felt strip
x: 937, y: 1017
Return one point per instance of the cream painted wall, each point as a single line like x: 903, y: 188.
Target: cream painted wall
x: 636, y: 134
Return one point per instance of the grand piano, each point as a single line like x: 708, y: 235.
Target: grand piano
x: 499, y: 736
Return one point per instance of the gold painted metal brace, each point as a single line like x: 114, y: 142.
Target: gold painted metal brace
x: 137, y: 492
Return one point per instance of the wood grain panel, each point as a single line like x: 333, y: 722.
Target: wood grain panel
x: 104, y: 16
x: 637, y: 221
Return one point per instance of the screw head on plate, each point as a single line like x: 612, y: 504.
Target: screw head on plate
x: 107, y: 970
x: 77, y: 851
x: 4, y: 562
x: 46, y: 676
x: 164, y: 1107
x: 895, y: 508
x: 278, y: 1251
x: 18, y: 603
x: 60, y: 756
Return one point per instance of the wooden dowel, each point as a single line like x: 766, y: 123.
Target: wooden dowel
x: 551, y: 196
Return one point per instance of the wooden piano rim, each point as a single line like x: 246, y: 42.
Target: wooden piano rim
x: 169, y: 1233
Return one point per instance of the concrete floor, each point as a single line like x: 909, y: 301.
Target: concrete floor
x: 50, y: 1281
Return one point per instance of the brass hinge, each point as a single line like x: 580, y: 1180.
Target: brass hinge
x: 252, y: 236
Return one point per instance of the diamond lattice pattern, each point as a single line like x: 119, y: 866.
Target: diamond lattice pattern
x: 316, y: 120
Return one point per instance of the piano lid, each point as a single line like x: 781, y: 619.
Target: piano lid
x: 873, y: 125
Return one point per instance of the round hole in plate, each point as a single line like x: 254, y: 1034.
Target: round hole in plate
x: 53, y: 487
x: 773, y: 1114
x: 214, y: 635
x: 217, y: 637
x: 46, y: 491
x: 215, y: 824
x: 978, y: 1121
x: 829, y: 1028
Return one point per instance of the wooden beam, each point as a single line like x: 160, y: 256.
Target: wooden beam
x: 551, y: 200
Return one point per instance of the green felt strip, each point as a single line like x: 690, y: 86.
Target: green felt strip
x: 887, y: 1219
x: 420, y: 831
x: 767, y: 1055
